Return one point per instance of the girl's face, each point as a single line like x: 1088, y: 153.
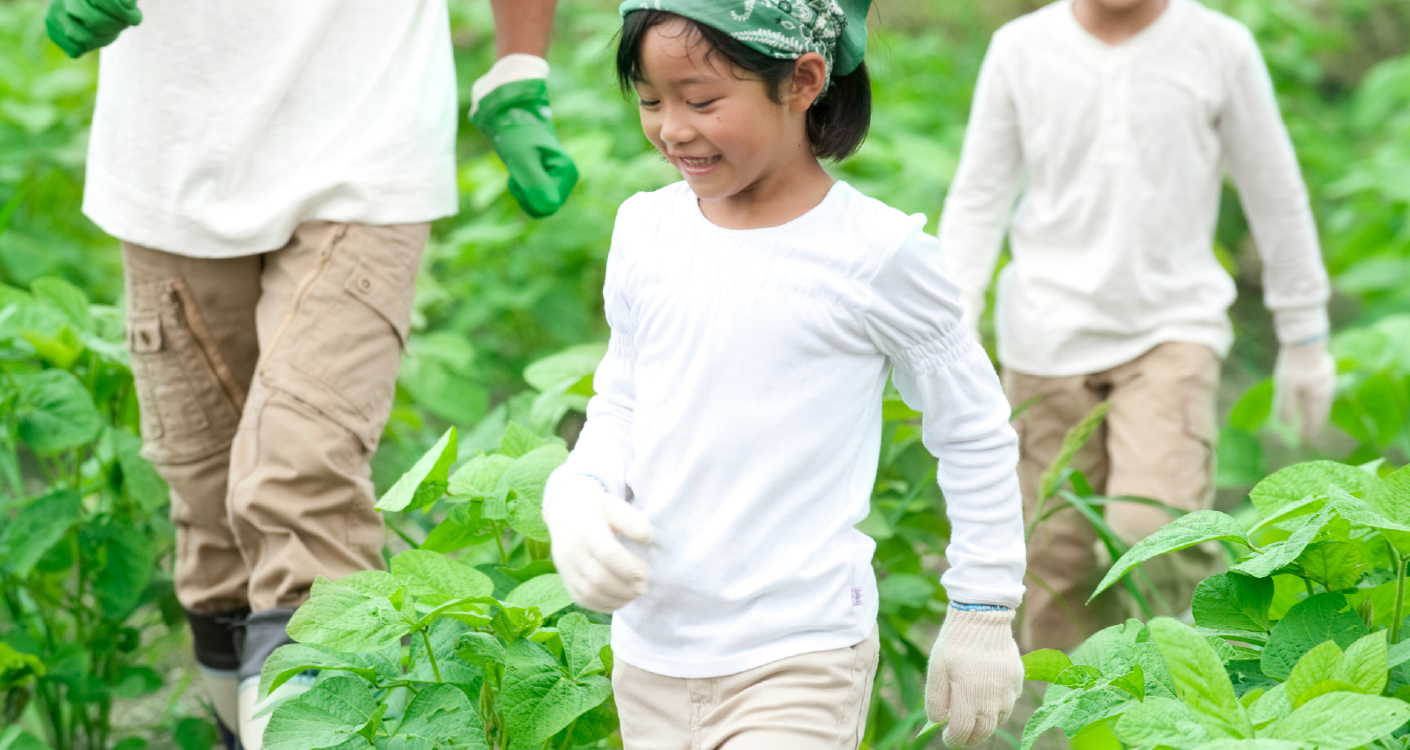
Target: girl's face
x: 715, y: 124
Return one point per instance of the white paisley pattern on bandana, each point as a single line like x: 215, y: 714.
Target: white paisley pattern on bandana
x: 782, y: 29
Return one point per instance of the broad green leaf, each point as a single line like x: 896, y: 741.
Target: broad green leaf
x: 355, y: 614
x: 1358, y: 511
x: 1078, y: 676
x: 582, y: 643
x: 1342, y: 721
x: 1280, y: 554
x: 427, y: 480
x: 1072, y: 442
x: 519, y: 440
x: 512, y: 623
x: 1315, y: 666
x: 1240, y: 461
x: 15, y: 738
x: 1255, y: 744
x: 1398, y: 654
x: 124, y: 559
x: 140, y: 479
x: 293, y: 658
x: 1335, y: 564
x: 37, y: 527
x: 17, y: 668
x: 1302, y: 480
x: 1271, y: 706
x: 1074, y: 711
x: 1200, y: 679
x: 525, y: 478
x: 1391, y: 496
x: 479, y: 476
x: 1133, y: 682
x: 66, y: 298
x: 443, y: 715
x: 1110, y: 649
x: 558, y: 372
x: 436, y: 579
x: 444, y: 634
x: 55, y: 411
x: 1159, y: 721
x: 546, y: 592
x: 450, y: 535
x: 480, y: 649
x: 1253, y: 408
x: 330, y: 715
x: 1312, y: 621
x: 193, y: 733
x: 1045, y: 664
x: 1185, y: 531
x: 1365, y: 664
x: 1229, y: 601
x: 540, y: 699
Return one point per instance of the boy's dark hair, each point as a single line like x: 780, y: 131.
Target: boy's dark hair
x: 837, y: 121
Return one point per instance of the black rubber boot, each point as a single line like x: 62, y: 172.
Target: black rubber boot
x: 214, y: 637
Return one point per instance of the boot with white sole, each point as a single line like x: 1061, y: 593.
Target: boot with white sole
x: 263, y: 632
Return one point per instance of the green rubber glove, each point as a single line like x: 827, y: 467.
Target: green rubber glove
x: 516, y: 117
x: 80, y: 26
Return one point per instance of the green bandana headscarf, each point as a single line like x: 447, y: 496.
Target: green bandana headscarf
x: 783, y: 29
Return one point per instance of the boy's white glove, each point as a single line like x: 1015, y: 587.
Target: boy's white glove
x: 1304, y: 382
x: 975, y: 674
x: 583, y: 521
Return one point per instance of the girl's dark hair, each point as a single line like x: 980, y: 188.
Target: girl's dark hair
x: 837, y: 121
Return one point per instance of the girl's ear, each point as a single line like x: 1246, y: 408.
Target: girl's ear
x: 808, y: 81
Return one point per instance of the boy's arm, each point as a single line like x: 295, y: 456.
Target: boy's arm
x: 975, y: 674
x: 522, y: 26
x: 1264, y: 166
x: 981, y: 197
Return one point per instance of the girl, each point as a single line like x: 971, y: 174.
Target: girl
x: 756, y: 311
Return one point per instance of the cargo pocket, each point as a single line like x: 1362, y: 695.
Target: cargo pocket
x: 1202, y: 427
x: 186, y: 411
x: 348, y: 345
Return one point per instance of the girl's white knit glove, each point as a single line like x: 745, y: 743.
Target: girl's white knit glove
x: 975, y: 674
x: 583, y: 522
x: 1304, y: 382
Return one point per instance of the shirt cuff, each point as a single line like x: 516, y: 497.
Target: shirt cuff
x: 1301, y: 325
x: 963, y: 607
x: 510, y: 68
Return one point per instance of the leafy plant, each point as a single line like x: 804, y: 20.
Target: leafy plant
x: 1298, y: 644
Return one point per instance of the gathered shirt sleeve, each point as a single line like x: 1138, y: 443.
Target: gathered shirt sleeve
x: 1264, y: 167
x: 913, y: 317
x: 604, y: 447
x: 980, y: 201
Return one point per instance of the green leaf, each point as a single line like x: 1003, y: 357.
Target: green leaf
x: 546, y: 592
x: 1200, y: 679
x: 1279, y: 554
x: 512, y: 623
x: 37, y: 527
x: 1391, y: 497
x: 140, y: 479
x: 1241, y: 462
x: 1133, y: 682
x: 1160, y: 721
x: 443, y: 715
x: 1071, y: 443
x: 1302, y: 480
x: 124, y: 558
x: 583, y: 641
x: 17, y: 667
x: 1185, y: 531
x: 55, y: 411
x: 540, y: 699
x: 331, y: 715
x: 525, y: 479
x: 479, y: 476
x: 1365, y: 664
x: 427, y: 480
x: 192, y: 733
x: 519, y: 440
x: 1229, y: 601
x: 1253, y: 408
x: 1074, y: 711
x: 1342, y: 721
x: 1271, y: 706
x: 294, y: 658
x: 15, y: 738
x: 1078, y: 676
x: 480, y: 649
x: 1045, y: 664
x: 558, y: 372
x: 1335, y: 564
x: 1357, y: 511
x: 66, y: 298
x: 1315, y: 666
x: 436, y: 579
x: 355, y: 614
x: 450, y: 535
x: 1312, y: 621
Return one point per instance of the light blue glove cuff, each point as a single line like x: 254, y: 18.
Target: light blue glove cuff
x: 961, y: 606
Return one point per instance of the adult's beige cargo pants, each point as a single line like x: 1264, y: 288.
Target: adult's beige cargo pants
x: 1157, y: 442
x: 264, y: 383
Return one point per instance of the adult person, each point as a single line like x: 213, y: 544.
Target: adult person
x: 272, y: 169
x: 1120, y: 116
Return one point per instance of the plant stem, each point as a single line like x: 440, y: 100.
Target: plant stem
x: 499, y: 540
x: 1400, y: 566
x: 568, y: 738
x: 1308, y: 584
x: 431, y: 655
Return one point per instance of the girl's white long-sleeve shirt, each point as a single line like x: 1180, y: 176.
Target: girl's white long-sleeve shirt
x: 1120, y: 152
x: 739, y: 407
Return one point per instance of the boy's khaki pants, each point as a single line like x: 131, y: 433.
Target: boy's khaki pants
x: 814, y: 701
x: 1157, y: 442
x: 264, y: 383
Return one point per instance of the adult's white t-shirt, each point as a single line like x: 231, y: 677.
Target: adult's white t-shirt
x: 221, y: 125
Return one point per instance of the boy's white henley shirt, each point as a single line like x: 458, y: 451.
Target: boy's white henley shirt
x: 1120, y: 150
x: 223, y: 124
x: 739, y: 407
